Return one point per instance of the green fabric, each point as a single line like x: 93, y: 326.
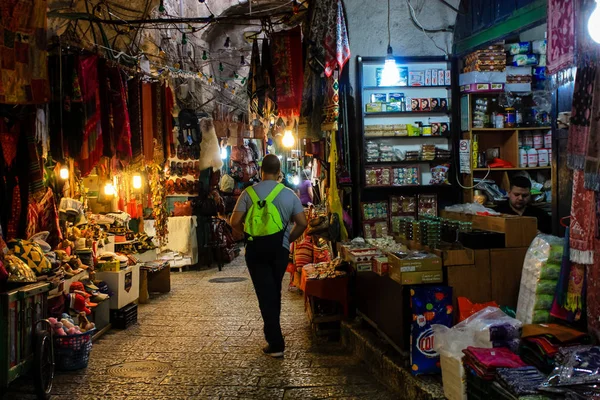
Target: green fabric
x: 263, y: 218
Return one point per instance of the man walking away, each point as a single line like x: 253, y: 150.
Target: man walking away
x: 265, y: 213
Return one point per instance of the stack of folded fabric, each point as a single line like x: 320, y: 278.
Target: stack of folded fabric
x: 485, y: 362
x: 512, y: 383
x: 540, y: 343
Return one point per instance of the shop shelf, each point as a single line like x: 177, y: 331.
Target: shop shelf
x: 393, y: 163
x: 406, y: 87
x: 512, y: 169
x: 410, y: 187
x: 406, y: 113
x: 533, y: 128
x: 408, y: 137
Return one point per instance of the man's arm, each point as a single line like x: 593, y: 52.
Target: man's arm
x: 300, y: 225
x: 237, y: 222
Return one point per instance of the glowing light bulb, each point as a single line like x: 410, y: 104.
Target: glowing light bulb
x: 296, y: 180
x: 390, y: 75
x: 137, y: 181
x: 594, y: 24
x: 223, y: 153
x: 64, y: 173
x: 109, y: 189
x: 288, y: 139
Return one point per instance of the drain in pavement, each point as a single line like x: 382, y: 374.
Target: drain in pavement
x: 230, y: 279
x: 140, y: 369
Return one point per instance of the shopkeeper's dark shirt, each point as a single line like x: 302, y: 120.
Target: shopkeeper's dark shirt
x: 544, y: 222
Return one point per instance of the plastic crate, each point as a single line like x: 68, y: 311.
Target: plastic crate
x: 72, y: 352
x: 124, y: 317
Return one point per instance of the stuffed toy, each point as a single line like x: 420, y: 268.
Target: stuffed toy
x: 57, y: 326
x: 84, y: 324
x: 210, y: 153
x: 68, y: 324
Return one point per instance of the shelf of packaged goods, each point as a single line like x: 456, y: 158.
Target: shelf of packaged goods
x: 410, y: 187
x: 405, y: 87
x: 408, y: 137
x: 406, y: 162
x: 533, y: 128
x: 512, y: 169
x: 407, y: 113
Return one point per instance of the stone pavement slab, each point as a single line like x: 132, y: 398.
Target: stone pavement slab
x: 209, y: 337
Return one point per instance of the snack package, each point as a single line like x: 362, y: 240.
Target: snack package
x: 428, y: 205
x: 374, y: 210
x: 439, y: 175
x: 429, y: 305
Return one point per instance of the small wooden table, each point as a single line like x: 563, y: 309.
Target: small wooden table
x: 155, y: 276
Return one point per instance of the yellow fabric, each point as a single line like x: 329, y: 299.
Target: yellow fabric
x: 333, y: 200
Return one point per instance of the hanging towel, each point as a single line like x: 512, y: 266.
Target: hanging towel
x: 592, y: 159
x: 579, y: 129
x: 180, y: 233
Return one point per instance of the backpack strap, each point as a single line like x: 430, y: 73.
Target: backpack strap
x: 253, y: 196
x: 276, y: 190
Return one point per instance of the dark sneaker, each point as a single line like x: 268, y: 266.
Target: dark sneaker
x: 270, y: 352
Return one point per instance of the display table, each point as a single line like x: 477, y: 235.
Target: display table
x: 333, y: 289
x: 154, y: 277
x: 182, y: 239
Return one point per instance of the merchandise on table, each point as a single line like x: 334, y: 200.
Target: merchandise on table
x: 485, y: 362
x: 375, y: 229
x: 325, y: 270
x: 429, y: 305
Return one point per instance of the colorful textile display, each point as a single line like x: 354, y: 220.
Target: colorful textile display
x: 485, y: 362
x: 255, y: 81
x: 561, y: 35
x: 579, y: 129
x: 23, y: 52
x: 593, y: 294
x: 583, y: 226
x: 93, y: 143
x: 520, y: 381
x: 287, y: 66
x: 147, y: 122
x: 135, y: 118
x: 334, y: 201
x: 158, y: 128
x: 169, y: 105
x: 121, y: 124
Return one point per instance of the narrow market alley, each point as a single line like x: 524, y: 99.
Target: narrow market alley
x: 203, y: 341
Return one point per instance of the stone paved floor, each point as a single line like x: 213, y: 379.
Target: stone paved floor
x: 209, y: 336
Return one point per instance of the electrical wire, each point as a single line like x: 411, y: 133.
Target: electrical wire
x: 474, y: 186
x: 414, y: 18
x: 389, y: 30
x: 416, y: 23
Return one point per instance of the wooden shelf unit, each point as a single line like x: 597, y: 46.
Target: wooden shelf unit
x: 506, y: 139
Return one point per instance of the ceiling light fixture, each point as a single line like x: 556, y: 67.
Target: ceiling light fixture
x: 390, y: 75
x: 594, y: 24
x: 227, y: 42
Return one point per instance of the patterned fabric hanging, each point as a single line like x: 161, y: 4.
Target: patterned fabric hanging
x: 287, y: 66
x: 23, y: 52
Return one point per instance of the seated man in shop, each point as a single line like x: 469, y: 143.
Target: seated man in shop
x: 519, y: 197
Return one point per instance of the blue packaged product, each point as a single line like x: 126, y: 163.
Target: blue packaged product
x: 429, y: 305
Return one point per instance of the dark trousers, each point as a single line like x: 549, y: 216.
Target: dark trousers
x: 267, y: 261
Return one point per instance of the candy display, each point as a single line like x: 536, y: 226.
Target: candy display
x: 403, y: 176
x: 375, y: 229
x: 439, y: 175
x: 428, y: 205
x: 378, y: 176
x: 429, y: 305
x: 386, y: 130
x: 324, y: 270
x: 376, y: 210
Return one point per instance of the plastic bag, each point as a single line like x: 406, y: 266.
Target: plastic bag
x: 471, y: 208
x: 539, y: 279
x: 481, y: 329
x: 466, y: 308
x: 227, y: 184
x: 581, y: 366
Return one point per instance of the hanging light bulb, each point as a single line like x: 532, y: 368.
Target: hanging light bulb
x: 64, y: 173
x: 594, y: 24
x: 223, y: 153
x: 161, y: 7
x: 204, y: 56
x: 390, y: 75
x: 109, y: 189
x: 243, y: 61
x: 227, y: 43
x: 235, y: 75
x: 296, y: 180
x: 201, y: 1
x: 184, y: 38
x: 221, y: 67
x: 137, y: 181
x: 288, y: 139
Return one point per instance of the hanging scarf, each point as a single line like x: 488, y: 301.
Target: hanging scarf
x: 569, y: 297
x: 147, y: 123
x: 287, y: 66
x: 593, y: 295
x: 268, y: 89
x: 93, y: 143
x: 157, y: 107
x: 583, y: 226
x: 334, y: 202
x: 23, y: 52
x: 336, y: 44
x: 121, y: 124
x: 135, y: 118
x: 561, y: 35
x: 169, y: 105
x: 579, y: 129
x: 255, y: 81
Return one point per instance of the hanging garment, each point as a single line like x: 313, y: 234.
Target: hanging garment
x: 210, y: 152
x: 147, y: 123
x: 157, y: 107
x: 23, y: 52
x: 335, y: 42
x: 268, y: 90
x: 579, y: 129
x: 106, y: 109
x: 561, y: 35
x: 255, y: 81
x: 93, y: 143
x: 334, y: 201
x: 287, y: 66
x: 135, y: 119
x: 169, y: 105
x: 121, y: 122
x: 583, y: 227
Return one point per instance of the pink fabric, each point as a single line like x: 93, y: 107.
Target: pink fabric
x: 593, y: 294
x: 336, y: 44
x: 561, y: 35
x: 583, y: 221
x: 500, y: 357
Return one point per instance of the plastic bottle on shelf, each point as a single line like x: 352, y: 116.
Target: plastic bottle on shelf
x: 538, y: 140
x: 532, y: 158
x: 548, y: 140
x: 543, y: 157
x: 523, y: 157
x: 528, y: 139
